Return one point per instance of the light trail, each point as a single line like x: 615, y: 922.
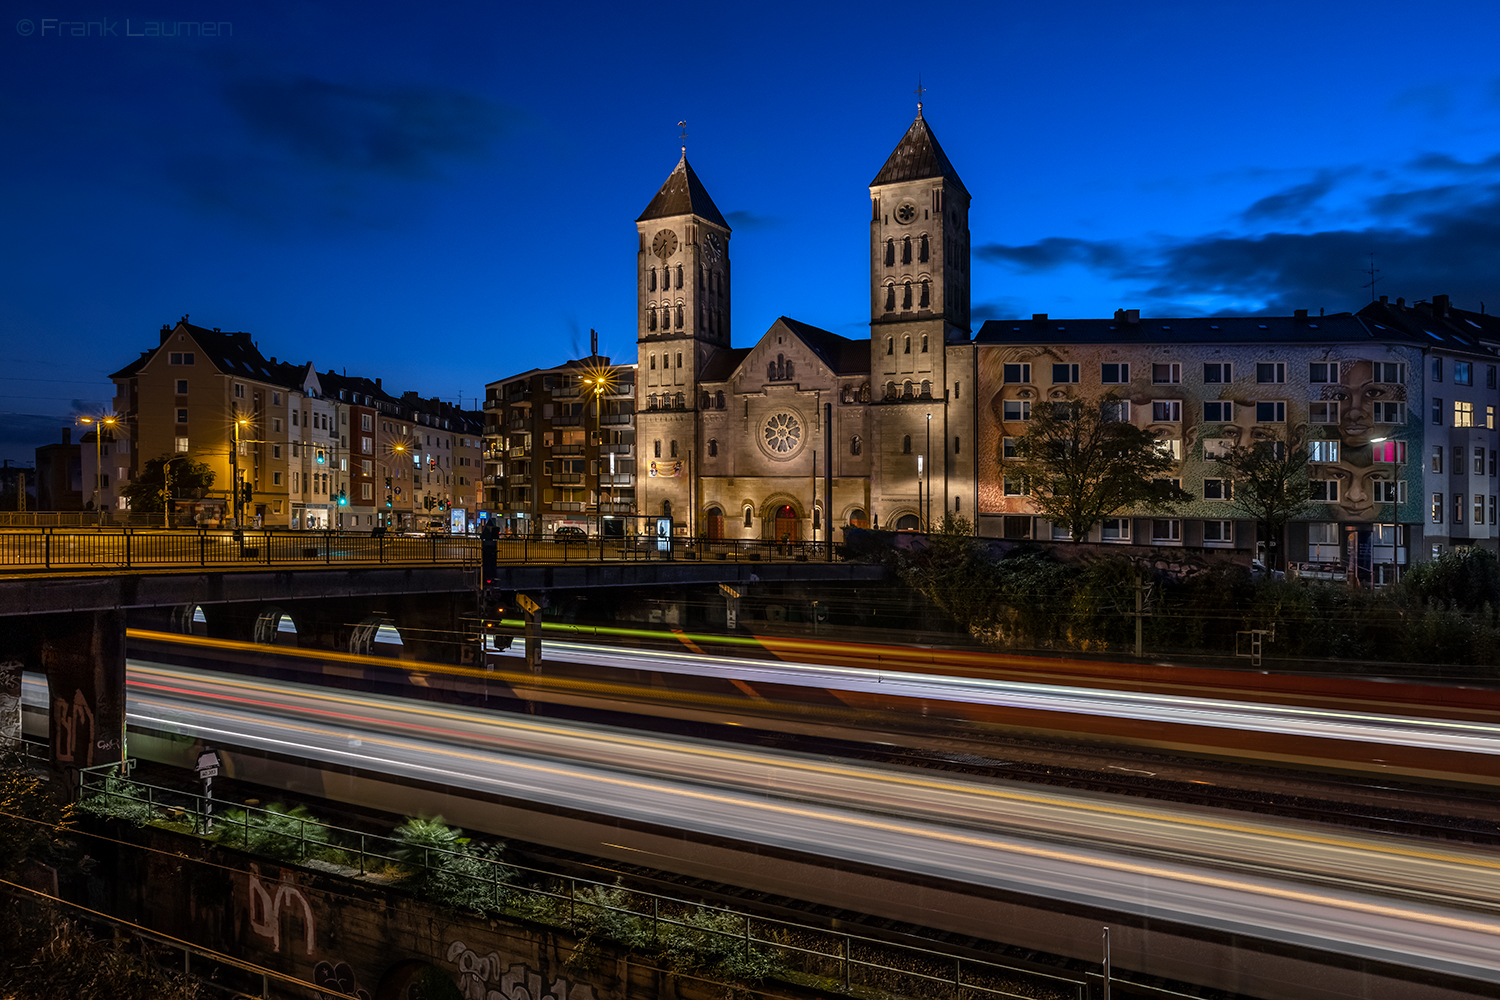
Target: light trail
x: 1378, y: 897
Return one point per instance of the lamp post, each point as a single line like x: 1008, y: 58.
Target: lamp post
x: 236, y: 422
x: 919, y: 493
x: 927, y: 514
x: 98, y: 424
x: 166, y: 493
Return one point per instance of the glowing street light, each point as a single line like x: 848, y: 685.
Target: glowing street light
x: 98, y: 423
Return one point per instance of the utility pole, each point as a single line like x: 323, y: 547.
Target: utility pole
x: 828, y: 481
x: 1140, y: 614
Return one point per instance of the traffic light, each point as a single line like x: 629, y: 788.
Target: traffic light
x: 343, y: 498
x: 387, y: 499
x: 427, y: 501
x: 387, y: 482
x: 245, y: 493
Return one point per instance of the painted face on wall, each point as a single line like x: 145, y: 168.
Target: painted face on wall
x: 1357, y: 394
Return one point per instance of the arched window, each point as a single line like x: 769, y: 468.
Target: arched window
x: 651, y: 281
x: 651, y: 401
x: 855, y: 445
x: 653, y: 362
x: 846, y: 395
x: 674, y: 447
x: 657, y: 446
x: 890, y: 346
x: 749, y: 513
x: 679, y: 353
x: 926, y: 299
x: 864, y: 393
x: 791, y: 370
x: 705, y: 400
x: 890, y: 253
x: 906, y: 249
x: 890, y: 390
x: 890, y: 296
x: 924, y: 343
x: 719, y: 400
x: 926, y: 389
x: 679, y: 275
x: 906, y: 345
x: 906, y: 445
x: 681, y: 405
x: 817, y: 518
x: 713, y: 447
x: 651, y: 319
x: 857, y: 517
x: 701, y: 283
x: 922, y: 250
x: 906, y: 296
x: 666, y: 317
x: 679, y: 317
x: 906, y: 392
x: 908, y: 522
x: 770, y: 371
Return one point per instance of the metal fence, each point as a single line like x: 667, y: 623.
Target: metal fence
x: 65, y: 549
x: 797, y: 953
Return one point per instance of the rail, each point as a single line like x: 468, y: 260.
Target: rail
x: 802, y: 953
x: 61, y: 550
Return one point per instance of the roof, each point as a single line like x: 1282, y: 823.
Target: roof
x: 683, y: 194
x: 723, y: 363
x: 916, y: 157
x: 230, y: 353
x: 1435, y: 324
x: 1341, y: 327
x: 845, y: 357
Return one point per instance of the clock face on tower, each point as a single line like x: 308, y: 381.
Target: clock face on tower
x: 665, y: 244
x: 712, y: 249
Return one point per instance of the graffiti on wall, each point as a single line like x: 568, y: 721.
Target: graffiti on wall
x: 341, y: 979
x: 73, y: 724
x: 266, y: 902
x: 10, y: 699
x: 486, y: 977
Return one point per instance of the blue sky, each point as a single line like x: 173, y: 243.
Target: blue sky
x: 441, y: 197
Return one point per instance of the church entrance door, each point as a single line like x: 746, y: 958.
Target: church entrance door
x: 715, y: 524
x: 786, y: 523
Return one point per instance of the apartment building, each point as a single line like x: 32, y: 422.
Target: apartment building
x: 559, y: 449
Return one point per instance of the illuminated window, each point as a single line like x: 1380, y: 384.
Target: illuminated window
x: 1437, y: 508
x: 1463, y: 414
x: 1388, y: 452
x: 1322, y: 451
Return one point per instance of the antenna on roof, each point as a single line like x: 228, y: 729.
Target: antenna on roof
x: 1373, y: 272
x: 683, y: 126
x: 919, y: 92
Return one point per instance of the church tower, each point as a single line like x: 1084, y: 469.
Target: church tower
x: 919, y: 333
x: 682, y: 317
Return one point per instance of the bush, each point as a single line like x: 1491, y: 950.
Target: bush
x: 293, y: 834
x: 120, y: 798
x: 446, y: 867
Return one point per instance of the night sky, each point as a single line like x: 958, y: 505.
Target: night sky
x: 444, y: 197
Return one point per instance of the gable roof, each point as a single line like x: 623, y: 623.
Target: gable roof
x: 683, y: 194
x: 723, y: 363
x: 916, y: 157
x: 844, y: 357
x: 1434, y: 324
x: 230, y: 353
x: 1336, y: 327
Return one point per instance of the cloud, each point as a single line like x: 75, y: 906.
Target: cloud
x: 1434, y: 100
x: 1445, y: 242
x: 749, y: 220
x: 1291, y: 202
x: 397, y: 131
x: 1442, y: 162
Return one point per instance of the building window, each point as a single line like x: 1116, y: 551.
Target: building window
x: 1389, y: 372
x: 956, y: 445
x: 1437, y: 458
x: 1270, y: 413
x: 1323, y: 372
x: 906, y: 297
x: 922, y: 249
x: 1014, y: 486
x: 855, y: 445
x: 1007, y: 447
x: 1114, y: 374
x: 367, y: 491
x: 890, y: 297
x: 1458, y: 508
x: 906, y: 445
x: 1016, y: 409
x: 1322, y: 451
x: 713, y: 447
x: 1388, y: 413
x: 182, y: 415
x: 1437, y: 411
x: 1437, y: 508
x: 1463, y: 414
x: 1017, y: 373
x: 1478, y: 461
x: 749, y: 512
x: 1389, y: 490
x: 1169, y: 447
x: 890, y: 253
x: 1166, y: 530
x: 239, y: 390
x: 182, y: 387
x: 925, y: 301
x: 1270, y: 372
x: 1319, y: 412
x: 719, y: 400
x: 1117, y: 410
x: 1217, y: 489
x: 905, y: 345
x: 1389, y: 452
x: 1489, y: 383
x: 1215, y: 448
x: 275, y: 451
x: 1166, y: 374
x: 1166, y: 411
x: 1492, y: 508
x: 1218, y: 532
x: 1437, y: 369
x: 1064, y: 374
x: 1323, y: 541
x: 656, y: 445
x: 1324, y: 490
x: 1115, y: 529
x: 924, y: 341
x: 181, y: 445
x: 1463, y: 374
x: 275, y: 479
x: 1216, y: 373
x: 674, y: 448
x: 1478, y: 508
x: 1221, y: 412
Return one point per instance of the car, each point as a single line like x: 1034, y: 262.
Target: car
x: 569, y: 533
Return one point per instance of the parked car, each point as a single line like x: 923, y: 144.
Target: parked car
x: 569, y: 533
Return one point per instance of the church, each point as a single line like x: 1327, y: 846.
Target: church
x: 807, y: 432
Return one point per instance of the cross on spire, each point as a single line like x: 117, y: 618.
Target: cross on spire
x: 683, y: 125
x: 919, y: 92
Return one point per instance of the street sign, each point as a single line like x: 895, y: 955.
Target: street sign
x: 532, y: 607
x: 208, y: 764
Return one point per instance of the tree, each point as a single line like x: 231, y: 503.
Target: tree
x: 148, y: 491
x: 1270, y: 485
x: 1081, y: 463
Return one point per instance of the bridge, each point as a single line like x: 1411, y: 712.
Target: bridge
x: 66, y: 596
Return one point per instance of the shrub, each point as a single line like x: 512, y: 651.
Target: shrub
x: 293, y: 834
x: 120, y: 798
x: 445, y: 866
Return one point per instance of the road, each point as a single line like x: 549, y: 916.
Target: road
x: 1384, y: 898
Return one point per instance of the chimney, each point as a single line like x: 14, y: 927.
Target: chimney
x: 67, y: 435
x: 1401, y: 302
x: 1299, y: 314
x: 273, y: 359
x: 377, y: 383
x: 1440, y: 305
x: 1385, y: 300
x: 1039, y: 317
x: 1119, y: 315
x: 1132, y: 315
x: 166, y: 331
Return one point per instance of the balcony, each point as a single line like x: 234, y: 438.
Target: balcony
x: 616, y: 419
x: 617, y: 508
x: 616, y: 449
x: 568, y: 479
x: 618, y: 479
x: 567, y: 505
x: 567, y: 392
x: 565, y: 420
x: 522, y: 452
x: 518, y: 425
x: 518, y: 480
x: 567, y: 449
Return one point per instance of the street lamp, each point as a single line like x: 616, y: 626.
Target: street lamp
x: 928, y: 512
x: 234, y: 465
x: 919, y: 492
x: 98, y: 423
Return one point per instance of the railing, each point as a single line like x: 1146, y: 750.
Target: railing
x: 567, y: 420
x: 799, y: 953
x: 521, y: 452
x: 567, y: 449
x: 617, y: 418
x: 616, y: 449
x: 58, y: 550
x: 567, y: 479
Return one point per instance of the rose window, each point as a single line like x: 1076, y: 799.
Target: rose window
x: 783, y: 433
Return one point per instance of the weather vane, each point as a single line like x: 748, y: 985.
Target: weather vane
x: 919, y: 92
x: 683, y: 126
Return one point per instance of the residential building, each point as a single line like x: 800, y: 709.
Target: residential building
x: 59, y: 474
